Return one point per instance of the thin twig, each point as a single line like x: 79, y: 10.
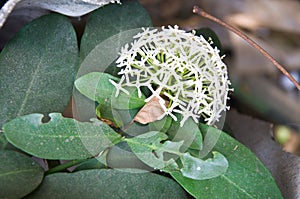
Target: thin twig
x: 202, y: 13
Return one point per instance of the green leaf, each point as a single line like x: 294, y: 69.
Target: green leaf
x: 19, y: 174
x: 89, y: 84
x: 105, y: 111
x: 60, y: 138
x: 37, y: 68
x: 198, y: 169
x: 189, y: 132
x: 135, y: 128
x: 4, y: 144
x: 98, y: 162
x: 108, y: 29
x: 113, y: 184
x: 161, y: 125
x: 97, y: 87
x: 111, y: 20
x: 246, y: 176
x: 120, y: 156
x: 93, y: 163
x: 148, y: 148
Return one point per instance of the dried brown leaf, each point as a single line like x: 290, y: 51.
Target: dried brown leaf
x: 150, y: 112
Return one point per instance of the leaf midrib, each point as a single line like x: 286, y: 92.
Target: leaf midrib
x: 17, y: 172
x: 28, y: 91
x: 238, y: 187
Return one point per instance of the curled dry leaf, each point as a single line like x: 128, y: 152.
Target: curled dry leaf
x: 150, y: 112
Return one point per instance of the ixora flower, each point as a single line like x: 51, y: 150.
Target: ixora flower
x: 182, y: 70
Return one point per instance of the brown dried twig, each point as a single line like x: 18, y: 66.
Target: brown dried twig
x: 202, y: 13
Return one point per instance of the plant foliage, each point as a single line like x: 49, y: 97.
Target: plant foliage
x: 115, y: 156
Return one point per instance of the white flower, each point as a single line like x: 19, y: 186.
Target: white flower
x: 178, y: 66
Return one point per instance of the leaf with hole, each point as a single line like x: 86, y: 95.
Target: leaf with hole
x: 37, y: 68
x: 60, y: 138
x: 151, y: 149
x: 246, y: 176
x: 148, y: 148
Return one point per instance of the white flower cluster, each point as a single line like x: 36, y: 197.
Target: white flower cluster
x: 179, y: 67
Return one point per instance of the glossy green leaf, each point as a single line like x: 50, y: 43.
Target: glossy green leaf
x: 60, y: 138
x: 105, y: 111
x: 19, y: 174
x: 37, y: 68
x: 135, y: 128
x: 4, y: 144
x: 93, y: 163
x: 89, y: 83
x: 98, y: 162
x: 189, y: 132
x: 246, y: 176
x: 148, y: 148
x: 113, y: 184
x: 198, y: 169
x: 111, y: 20
x: 97, y: 87
x: 120, y: 156
x: 107, y: 30
x: 161, y: 125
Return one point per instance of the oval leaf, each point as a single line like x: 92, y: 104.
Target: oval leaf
x: 103, y: 39
x: 60, y: 138
x: 97, y: 87
x: 246, y: 176
x: 189, y: 132
x: 198, y: 169
x: 120, y: 156
x: 161, y: 125
x: 37, y: 68
x: 19, y: 174
x: 111, y: 20
x: 113, y: 184
x: 4, y: 144
x: 107, y: 113
x: 148, y: 148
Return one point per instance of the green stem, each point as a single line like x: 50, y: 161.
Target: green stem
x: 65, y: 166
